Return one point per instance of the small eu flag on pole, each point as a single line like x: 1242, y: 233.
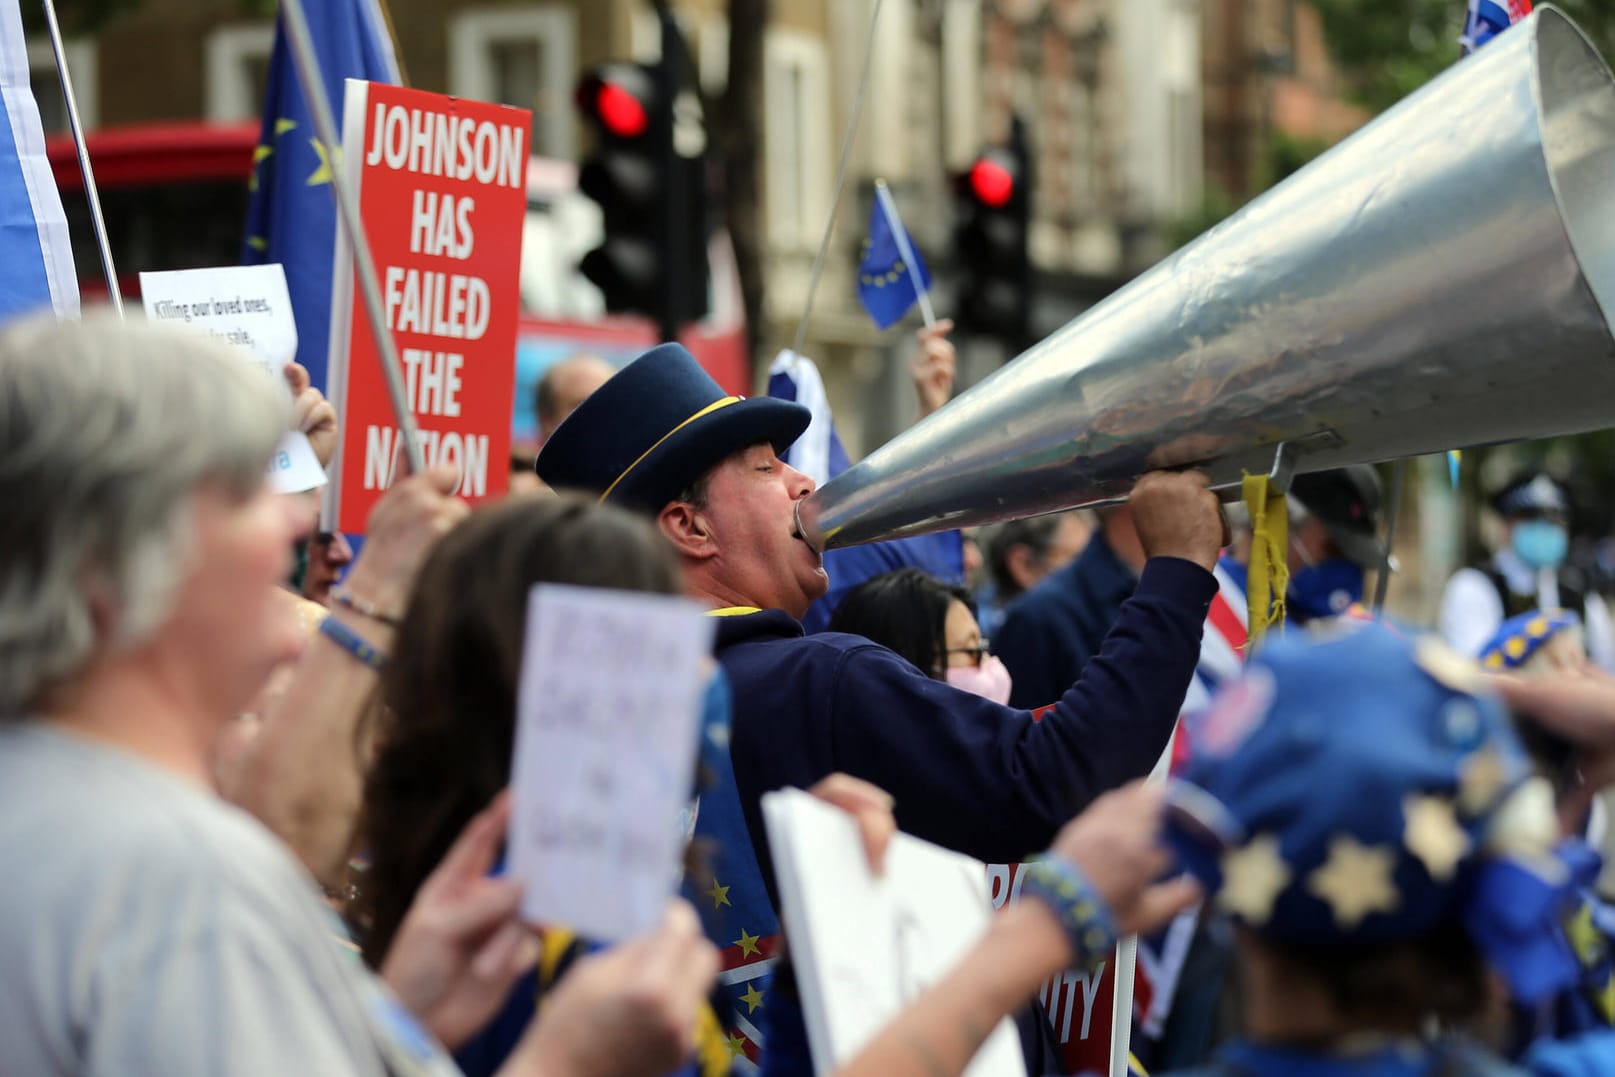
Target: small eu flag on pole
x: 891, y: 277
x: 1488, y: 18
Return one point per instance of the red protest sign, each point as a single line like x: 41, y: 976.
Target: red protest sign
x: 442, y: 188
x: 1077, y: 1003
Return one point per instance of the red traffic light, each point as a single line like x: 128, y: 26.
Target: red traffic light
x: 620, y: 111
x: 991, y: 182
x: 620, y: 98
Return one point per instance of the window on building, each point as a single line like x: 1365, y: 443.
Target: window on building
x: 525, y: 57
x: 47, y: 83
x: 236, y: 68
x: 796, y: 138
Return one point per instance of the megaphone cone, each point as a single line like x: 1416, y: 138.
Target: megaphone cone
x: 1440, y: 279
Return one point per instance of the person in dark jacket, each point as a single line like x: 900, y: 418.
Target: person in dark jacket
x: 1051, y: 632
x: 987, y: 780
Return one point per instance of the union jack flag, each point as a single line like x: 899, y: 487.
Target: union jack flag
x: 729, y: 893
x: 1488, y: 18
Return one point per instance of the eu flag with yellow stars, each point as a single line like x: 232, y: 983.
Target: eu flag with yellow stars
x: 291, y: 217
x: 886, y: 283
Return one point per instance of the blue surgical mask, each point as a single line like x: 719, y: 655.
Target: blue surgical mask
x: 1541, y: 543
x: 1325, y: 589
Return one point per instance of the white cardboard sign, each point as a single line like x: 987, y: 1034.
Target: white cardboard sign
x: 608, y: 711
x: 247, y: 306
x: 866, y: 946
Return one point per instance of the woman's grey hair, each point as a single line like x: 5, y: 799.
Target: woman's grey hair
x: 106, y: 430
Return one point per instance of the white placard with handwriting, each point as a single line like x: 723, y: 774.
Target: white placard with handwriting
x: 608, y: 715
x: 866, y: 946
x: 249, y: 307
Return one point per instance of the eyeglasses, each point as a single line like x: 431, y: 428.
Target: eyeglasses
x: 976, y: 653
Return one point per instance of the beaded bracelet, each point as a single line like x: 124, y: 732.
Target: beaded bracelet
x: 350, y: 641
x: 1075, y: 904
x: 363, y: 607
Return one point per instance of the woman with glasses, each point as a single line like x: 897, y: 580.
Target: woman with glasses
x: 928, y: 622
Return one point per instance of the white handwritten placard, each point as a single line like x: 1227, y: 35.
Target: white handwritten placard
x: 866, y: 946
x: 608, y: 714
x: 249, y: 307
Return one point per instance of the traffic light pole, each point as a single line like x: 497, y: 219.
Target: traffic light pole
x: 675, y: 226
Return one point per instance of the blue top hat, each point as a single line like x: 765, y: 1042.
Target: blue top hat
x: 658, y: 425
x: 1343, y: 791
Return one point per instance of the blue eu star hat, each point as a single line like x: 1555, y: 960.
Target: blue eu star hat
x: 1363, y: 789
x: 1518, y: 639
x: 658, y: 425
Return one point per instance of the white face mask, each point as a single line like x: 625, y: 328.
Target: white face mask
x: 990, y: 680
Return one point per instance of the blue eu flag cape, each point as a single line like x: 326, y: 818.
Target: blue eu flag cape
x: 291, y: 218
x: 36, y: 256
x: 884, y: 282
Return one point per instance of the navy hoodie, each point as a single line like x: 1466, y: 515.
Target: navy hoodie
x: 966, y: 773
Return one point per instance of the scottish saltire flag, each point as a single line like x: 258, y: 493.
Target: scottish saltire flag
x: 291, y: 218
x: 1488, y: 18
x: 885, y: 282
x: 36, y: 256
x: 818, y: 452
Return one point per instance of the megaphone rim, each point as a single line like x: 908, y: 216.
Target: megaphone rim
x: 1554, y: 32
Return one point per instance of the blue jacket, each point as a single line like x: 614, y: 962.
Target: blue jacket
x: 1051, y: 632
x: 968, y: 774
x: 1589, y: 1055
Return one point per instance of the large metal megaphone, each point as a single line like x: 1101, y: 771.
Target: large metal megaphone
x: 1441, y: 279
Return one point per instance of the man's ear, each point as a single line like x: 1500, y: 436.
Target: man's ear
x: 688, y: 530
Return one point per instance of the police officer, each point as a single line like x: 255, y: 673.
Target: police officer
x: 1527, y: 573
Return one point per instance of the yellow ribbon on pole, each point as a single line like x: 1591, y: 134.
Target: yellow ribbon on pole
x: 1269, y: 576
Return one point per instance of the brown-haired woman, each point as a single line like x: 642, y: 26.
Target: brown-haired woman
x: 443, y: 725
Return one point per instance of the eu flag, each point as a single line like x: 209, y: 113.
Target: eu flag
x: 291, y: 218
x: 885, y: 282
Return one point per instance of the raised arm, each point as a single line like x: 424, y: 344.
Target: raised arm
x: 1114, y: 847
x: 303, y: 777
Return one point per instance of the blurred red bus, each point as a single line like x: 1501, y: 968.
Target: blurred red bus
x: 174, y: 196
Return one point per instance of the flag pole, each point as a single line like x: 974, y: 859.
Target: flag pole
x: 308, y: 73
x: 841, y: 180
x: 883, y: 195
x: 91, y: 194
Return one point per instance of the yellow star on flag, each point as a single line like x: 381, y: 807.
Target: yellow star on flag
x: 284, y: 125
x: 1483, y: 777
x: 1253, y: 878
x: 259, y: 153
x: 1433, y: 835
x: 1355, y: 881
x: 718, y: 894
x: 321, y: 174
x: 747, y: 944
x: 737, y: 1045
x: 753, y: 998
x: 1585, y: 939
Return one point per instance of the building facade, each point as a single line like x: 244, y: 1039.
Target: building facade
x: 1111, y: 92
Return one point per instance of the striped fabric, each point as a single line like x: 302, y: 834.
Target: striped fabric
x: 36, y: 255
